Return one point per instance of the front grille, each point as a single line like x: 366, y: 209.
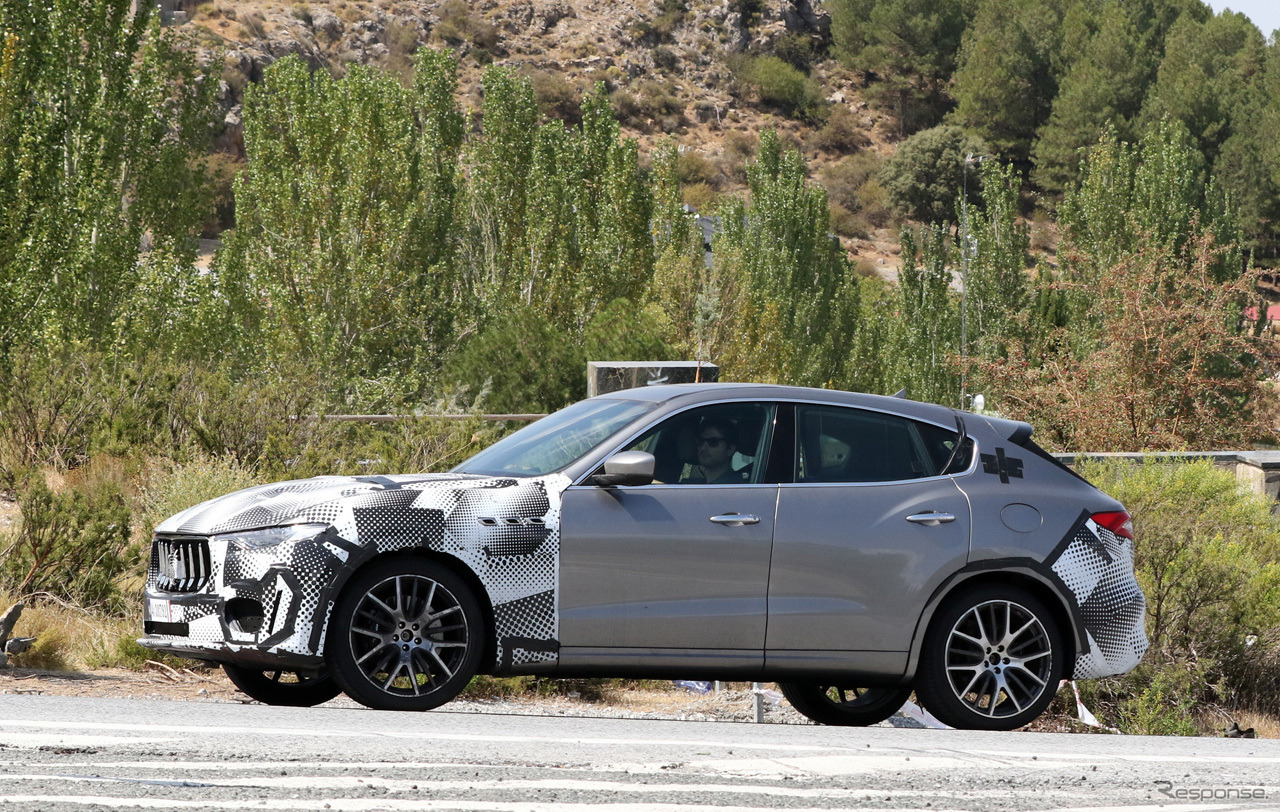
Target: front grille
x: 180, y: 564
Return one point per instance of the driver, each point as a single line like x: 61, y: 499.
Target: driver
x: 717, y: 443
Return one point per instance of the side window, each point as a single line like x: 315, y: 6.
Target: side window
x: 941, y: 445
x: 723, y: 444
x: 851, y: 445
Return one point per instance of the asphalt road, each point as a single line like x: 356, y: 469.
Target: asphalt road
x: 59, y: 753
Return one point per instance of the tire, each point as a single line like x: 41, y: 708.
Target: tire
x: 406, y: 634
x: 967, y: 678
x: 288, y: 688
x: 844, y: 705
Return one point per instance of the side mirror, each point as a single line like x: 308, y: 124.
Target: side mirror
x: 626, y: 468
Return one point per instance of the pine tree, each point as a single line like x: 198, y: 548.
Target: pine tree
x: 1103, y: 87
x: 909, y: 45
x: 1004, y: 84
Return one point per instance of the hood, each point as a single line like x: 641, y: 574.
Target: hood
x: 322, y: 500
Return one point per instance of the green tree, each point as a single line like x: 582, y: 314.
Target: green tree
x: 1103, y: 87
x: 103, y: 117
x: 797, y: 299
x: 926, y: 175
x: 498, y: 165
x: 590, y: 241
x: 1209, y: 72
x: 996, y: 284
x: 1152, y: 191
x: 925, y: 337
x: 909, y: 45
x: 1005, y: 84
x: 342, y: 260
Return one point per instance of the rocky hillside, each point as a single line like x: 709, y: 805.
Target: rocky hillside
x: 686, y: 70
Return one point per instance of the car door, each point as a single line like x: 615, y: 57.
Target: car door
x: 864, y: 535
x: 677, y: 571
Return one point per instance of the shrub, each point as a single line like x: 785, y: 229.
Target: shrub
x: 780, y: 85
x: 739, y: 147
x: 650, y: 100
x: 72, y: 545
x: 521, y: 363
x: 170, y: 487
x: 627, y: 108
x: 557, y: 97
x: 798, y: 50
x: 693, y: 167
x: 699, y: 196
x: 847, y: 223
x: 665, y: 58
x: 524, y: 363
x: 841, y: 133
x: 925, y: 176
x: 457, y: 25
x: 671, y: 14
x: 658, y: 103
x: 873, y: 202
x: 51, y: 404
x: 853, y: 190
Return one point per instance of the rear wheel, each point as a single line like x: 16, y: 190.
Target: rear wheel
x: 407, y: 634
x: 992, y: 660
x: 289, y: 688
x: 844, y: 704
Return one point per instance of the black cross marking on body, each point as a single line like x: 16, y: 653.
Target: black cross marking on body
x: 998, y: 463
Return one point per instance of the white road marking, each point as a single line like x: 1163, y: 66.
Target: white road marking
x: 426, y: 805
x: 1164, y: 758
x: 294, y: 733
x: 33, y: 740
x: 575, y: 785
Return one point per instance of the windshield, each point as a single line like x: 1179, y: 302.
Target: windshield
x: 557, y: 440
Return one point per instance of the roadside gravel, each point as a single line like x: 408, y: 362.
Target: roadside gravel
x: 210, y: 685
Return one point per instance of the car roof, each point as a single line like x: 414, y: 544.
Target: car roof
x: 679, y: 394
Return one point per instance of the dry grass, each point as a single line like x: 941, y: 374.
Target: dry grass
x: 71, y: 638
x: 1265, y: 725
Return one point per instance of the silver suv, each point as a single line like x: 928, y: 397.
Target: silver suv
x: 850, y: 547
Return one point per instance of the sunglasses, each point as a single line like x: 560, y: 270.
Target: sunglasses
x: 710, y: 442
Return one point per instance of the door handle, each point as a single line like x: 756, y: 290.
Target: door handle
x: 931, y: 519
x: 735, y: 519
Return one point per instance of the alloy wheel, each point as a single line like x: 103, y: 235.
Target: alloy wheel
x: 409, y: 634
x: 999, y: 659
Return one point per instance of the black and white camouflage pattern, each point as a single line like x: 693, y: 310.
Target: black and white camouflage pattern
x: 1096, y: 566
x: 506, y: 530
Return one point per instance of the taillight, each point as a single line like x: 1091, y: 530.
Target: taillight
x: 1117, y: 522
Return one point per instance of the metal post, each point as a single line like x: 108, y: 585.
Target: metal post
x: 965, y: 256
x: 964, y: 274
x: 757, y: 688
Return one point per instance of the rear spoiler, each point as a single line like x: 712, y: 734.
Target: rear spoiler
x: 1019, y: 433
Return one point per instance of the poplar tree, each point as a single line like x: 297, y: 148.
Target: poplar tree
x: 103, y: 119
x: 342, y: 260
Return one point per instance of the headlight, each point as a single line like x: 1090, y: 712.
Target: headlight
x: 271, y: 536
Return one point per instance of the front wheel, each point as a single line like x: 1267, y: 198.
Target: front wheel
x: 992, y: 660
x: 407, y: 634
x: 287, y: 688
x: 843, y: 704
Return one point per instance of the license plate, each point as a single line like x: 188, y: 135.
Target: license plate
x: 160, y: 609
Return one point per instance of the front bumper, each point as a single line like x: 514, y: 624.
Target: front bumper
x: 264, y: 606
